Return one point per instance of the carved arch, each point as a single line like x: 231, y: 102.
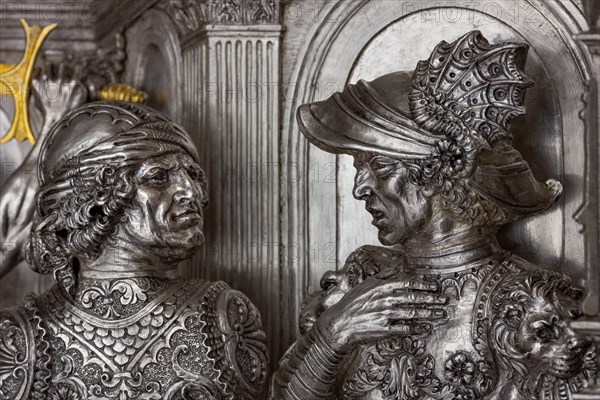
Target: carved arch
x: 325, y: 64
x: 154, y: 61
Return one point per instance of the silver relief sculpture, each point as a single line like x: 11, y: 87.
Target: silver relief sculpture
x: 66, y: 82
x: 17, y: 195
x: 445, y: 313
x: 120, y: 204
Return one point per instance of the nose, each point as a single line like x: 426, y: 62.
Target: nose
x: 187, y: 191
x: 363, y: 184
x: 579, y: 345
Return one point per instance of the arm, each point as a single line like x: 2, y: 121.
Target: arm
x: 239, y: 345
x: 17, y: 355
x: 17, y: 196
x: 309, y: 370
x: 373, y: 310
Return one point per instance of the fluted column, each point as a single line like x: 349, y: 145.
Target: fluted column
x: 231, y: 61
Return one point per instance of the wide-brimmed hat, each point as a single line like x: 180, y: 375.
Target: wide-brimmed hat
x: 464, y: 97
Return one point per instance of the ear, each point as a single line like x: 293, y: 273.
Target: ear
x: 512, y: 315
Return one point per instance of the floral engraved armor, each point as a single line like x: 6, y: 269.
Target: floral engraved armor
x: 119, y: 207
x: 194, y: 340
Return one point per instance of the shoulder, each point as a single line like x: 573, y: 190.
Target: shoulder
x: 517, y: 275
x: 524, y: 319
x: 17, y: 354
x: 236, y: 340
x: 556, y: 282
x: 372, y: 260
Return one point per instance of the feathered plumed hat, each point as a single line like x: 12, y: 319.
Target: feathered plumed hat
x: 455, y: 109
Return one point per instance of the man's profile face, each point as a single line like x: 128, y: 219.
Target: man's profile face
x: 397, y: 205
x: 167, y: 217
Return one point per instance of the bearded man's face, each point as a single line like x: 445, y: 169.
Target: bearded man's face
x: 166, y: 220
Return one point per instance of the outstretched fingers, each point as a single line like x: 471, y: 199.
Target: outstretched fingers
x: 402, y: 285
x: 409, y: 329
x: 401, y: 314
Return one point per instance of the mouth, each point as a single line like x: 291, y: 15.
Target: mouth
x: 565, y: 367
x: 378, y: 216
x: 188, y: 217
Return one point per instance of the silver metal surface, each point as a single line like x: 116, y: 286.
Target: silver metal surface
x: 54, y: 95
x: 446, y: 313
x: 119, y: 206
x: 66, y: 82
x: 282, y: 212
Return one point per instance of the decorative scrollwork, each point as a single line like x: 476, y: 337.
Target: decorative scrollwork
x: 262, y: 11
x: 399, y: 369
x: 228, y: 11
x: 64, y: 391
x: 241, y: 357
x: 113, y: 299
x: 15, y: 357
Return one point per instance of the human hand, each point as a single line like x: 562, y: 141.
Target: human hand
x: 379, y: 308
x: 56, y: 92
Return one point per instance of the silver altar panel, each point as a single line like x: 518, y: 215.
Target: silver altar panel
x: 199, y: 66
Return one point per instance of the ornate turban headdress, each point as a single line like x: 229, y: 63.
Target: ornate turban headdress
x: 451, y: 117
x: 107, y: 132
x: 87, y: 146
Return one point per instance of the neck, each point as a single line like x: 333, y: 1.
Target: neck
x: 121, y: 260
x: 450, y: 244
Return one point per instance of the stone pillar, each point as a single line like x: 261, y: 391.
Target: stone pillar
x: 589, y: 215
x: 231, y: 61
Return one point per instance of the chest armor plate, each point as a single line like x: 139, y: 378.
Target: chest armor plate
x: 194, y: 340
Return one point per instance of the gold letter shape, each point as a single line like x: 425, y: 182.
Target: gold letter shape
x: 15, y: 81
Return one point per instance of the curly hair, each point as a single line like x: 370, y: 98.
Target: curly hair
x: 456, y: 196
x: 80, y: 222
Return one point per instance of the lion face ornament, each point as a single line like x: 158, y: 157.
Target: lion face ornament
x: 544, y: 357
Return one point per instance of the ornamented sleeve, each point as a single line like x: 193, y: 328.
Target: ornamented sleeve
x: 308, y: 371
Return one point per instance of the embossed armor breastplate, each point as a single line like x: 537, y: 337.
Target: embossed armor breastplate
x: 134, y: 339
x: 472, y: 354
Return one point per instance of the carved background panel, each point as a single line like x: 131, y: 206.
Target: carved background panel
x: 341, y: 48
x: 154, y: 61
x: 538, y: 134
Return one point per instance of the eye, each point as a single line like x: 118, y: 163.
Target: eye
x: 547, y: 331
x: 156, y: 176
x: 383, y: 167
